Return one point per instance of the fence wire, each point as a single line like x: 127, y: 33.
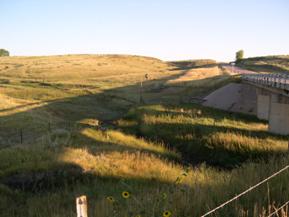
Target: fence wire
x: 246, y: 191
x: 277, y: 210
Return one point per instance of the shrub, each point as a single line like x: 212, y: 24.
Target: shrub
x: 4, y: 53
x: 239, y: 55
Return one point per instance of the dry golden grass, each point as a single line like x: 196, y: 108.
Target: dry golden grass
x: 65, y: 105
x: 83, y: 69
x: 267, y: 64
x: 38, y: 90
x: 197, y: 74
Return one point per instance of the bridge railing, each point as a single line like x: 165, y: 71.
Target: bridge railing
x: 280, y: 81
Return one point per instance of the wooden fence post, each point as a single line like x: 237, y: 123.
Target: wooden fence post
x: 141, y: 93
x: 81, y: 206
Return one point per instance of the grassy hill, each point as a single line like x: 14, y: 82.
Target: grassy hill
x: 275, y: 64
x: 98, y: 125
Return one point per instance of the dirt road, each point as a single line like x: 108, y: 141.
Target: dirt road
x: 236, y: 70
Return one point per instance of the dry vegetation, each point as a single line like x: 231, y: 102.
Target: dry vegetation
x: 271, y: 64
x: 86, y: 131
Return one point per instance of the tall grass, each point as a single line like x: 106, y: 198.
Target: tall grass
x: 205, y: 135
x: 44, y: 179
x: 180, y: 158
x: 153, y: 189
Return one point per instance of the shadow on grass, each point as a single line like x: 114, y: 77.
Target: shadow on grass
x: 31, y: 197
x: 97, y: 147
x: 206, y: 112
x: 272, y: 62
x: 108, y: 105
x: 212, y: 143
x: 112, y: 104
x: 192, y: 64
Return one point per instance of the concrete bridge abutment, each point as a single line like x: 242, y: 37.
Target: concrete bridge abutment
x: 272, y: 99
x: 266, y: 102
x: 274, y: 108
x: 263, y: 104
x: 279, y: 114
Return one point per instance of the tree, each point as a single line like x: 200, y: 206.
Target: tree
x: 239, y: 55
x: 4, y: 53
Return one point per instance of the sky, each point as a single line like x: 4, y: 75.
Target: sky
x: 166, y: 29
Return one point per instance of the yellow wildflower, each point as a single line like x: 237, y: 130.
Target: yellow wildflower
x: 125, y: 194
x: 167, y: 213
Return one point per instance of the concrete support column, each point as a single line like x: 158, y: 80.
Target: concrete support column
x: 263, y: 105
x: 279, y: 115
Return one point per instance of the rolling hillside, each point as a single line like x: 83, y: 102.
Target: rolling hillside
x: 275, y: 64
x: 103, y: 125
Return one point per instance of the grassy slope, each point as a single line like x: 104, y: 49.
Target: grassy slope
x: 205, y: 135
x: 279, y: 64
x: 39, y: 90
x: 60, y: 103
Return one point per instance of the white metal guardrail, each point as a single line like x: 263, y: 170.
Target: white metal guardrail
x: 280, y: 81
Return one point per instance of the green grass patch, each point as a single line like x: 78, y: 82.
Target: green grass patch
x: 205, y: 135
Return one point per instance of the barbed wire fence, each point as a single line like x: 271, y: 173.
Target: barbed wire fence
x: 279, y: 209
x: 25, y: 135
x: 247, y: 191
x: 20, y: 135
x: 81, y: 204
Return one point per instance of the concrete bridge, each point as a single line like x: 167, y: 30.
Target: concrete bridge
x: 272, y: 92
x: 263, y: 95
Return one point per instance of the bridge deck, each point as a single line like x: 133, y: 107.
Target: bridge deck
x: 277, y: 82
